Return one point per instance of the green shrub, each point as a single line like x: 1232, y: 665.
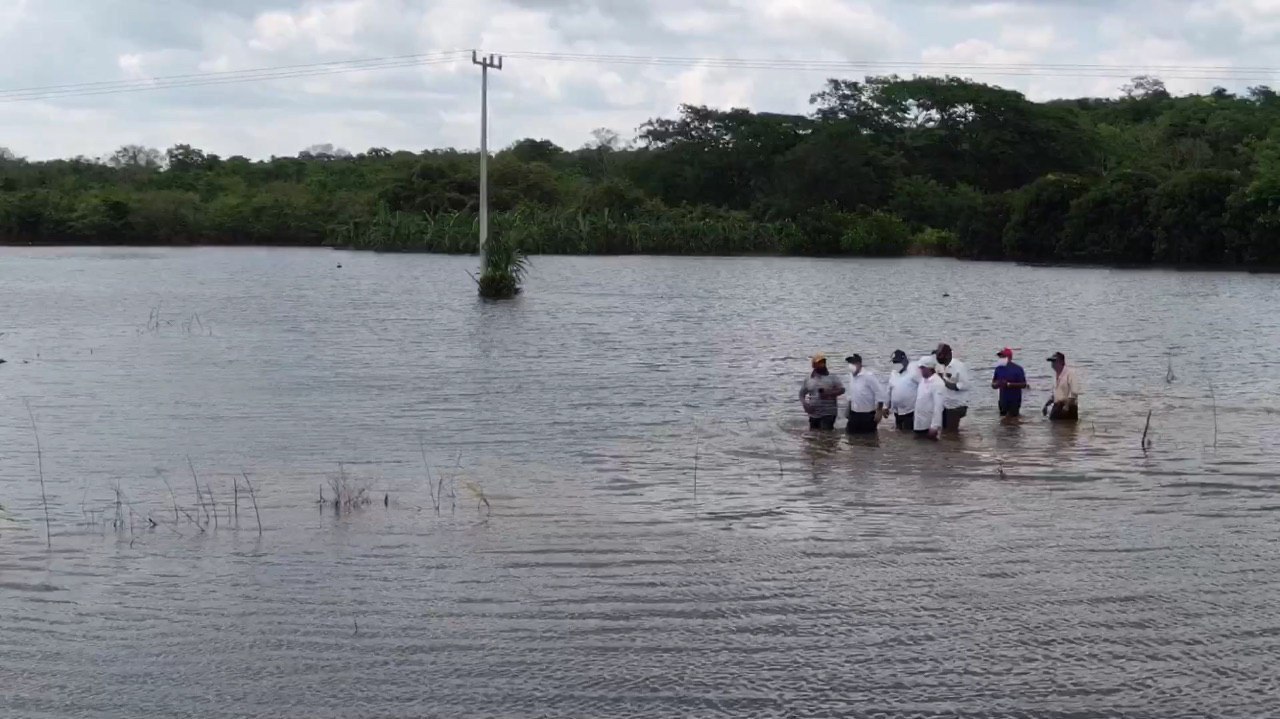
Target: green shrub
x: 878, y: 234
x: 503, y: 269
x: 932, y: 241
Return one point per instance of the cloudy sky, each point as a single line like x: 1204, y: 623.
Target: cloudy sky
x: 59, y: 42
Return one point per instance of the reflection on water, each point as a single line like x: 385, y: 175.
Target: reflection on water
x: 667, y: 537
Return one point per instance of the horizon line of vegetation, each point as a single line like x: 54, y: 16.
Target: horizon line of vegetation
x: 885, y: 166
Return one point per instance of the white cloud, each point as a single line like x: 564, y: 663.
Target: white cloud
x: 1037, y: 38
x: 326, y: 27
x: 70, y: 41
x: 974, y: 51
x: 1257, y: 20
x: 131, y: 65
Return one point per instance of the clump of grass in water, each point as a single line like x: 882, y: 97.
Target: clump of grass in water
x: 503, y: 268
x: 347, y: 494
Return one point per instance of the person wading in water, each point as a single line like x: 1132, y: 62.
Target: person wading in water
x: 955, y: 377
x: 866, y: 398
x: 1010, y: 380
x: 820, y: 395
x: 904, y: 381
x: 1064, y: 406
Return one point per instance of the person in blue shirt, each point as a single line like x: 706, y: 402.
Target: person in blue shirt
x: 1010, y: 380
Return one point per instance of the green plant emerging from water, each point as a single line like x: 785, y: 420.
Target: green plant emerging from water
x: 503, y: 267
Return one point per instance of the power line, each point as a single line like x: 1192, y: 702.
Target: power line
x: 232, y: 73
x: 783, y: 63
x: 288, y: 72
x: 1081, y: 70
x: 225, y: 78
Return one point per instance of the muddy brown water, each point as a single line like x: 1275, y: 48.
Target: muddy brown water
x: 1022, y: 570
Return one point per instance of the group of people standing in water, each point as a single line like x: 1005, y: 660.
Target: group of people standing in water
x: 927, y: 396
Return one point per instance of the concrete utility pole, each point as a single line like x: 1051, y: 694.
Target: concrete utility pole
x: 486, y: 63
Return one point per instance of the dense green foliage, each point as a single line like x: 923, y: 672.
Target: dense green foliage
x: 886, y: 166
x: 503, y: 268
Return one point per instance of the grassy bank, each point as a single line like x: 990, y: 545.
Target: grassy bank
x: 683, y: 231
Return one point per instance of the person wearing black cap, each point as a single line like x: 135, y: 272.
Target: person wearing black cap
x: 1064, y: 406
x: 955, y: 377
x: 866, y: 398
x: 904, y: 382
x: 1010, y: 379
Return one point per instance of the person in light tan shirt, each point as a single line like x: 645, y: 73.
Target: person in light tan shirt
x: 1065, y: 405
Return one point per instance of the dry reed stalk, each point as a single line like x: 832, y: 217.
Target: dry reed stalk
x: 432, y: 489
x: 254, y: 496
x: 778, y: 453
x: 453, y: 484
x: 199, y: 497
x: 696, y: 449
x: 172, y: 497
x: 235, y: 498
x: 213, y: 503
x: 194, y: 520
x: 1214, y: 398
x: 44, y: 498
x: 1145, y: 430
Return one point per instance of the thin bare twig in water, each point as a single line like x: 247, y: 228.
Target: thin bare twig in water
x: 431, y: 487
x: 453, y: 484
x: 696, y: 448
x: 172, y: 497
x: 1169, y: 376
x: 44, y: 498
x: 118, y: 521
x: 1214, y: 398
x: 339, y: 490
x: 213, y: 503
x: 483, y: 500
x: 235, y: 498
x: 84, y: 495
x: 254, y: 496
x: 194, y: 520
x: 1145, y: 430
x: 778, y: 453
x: 199, y: 497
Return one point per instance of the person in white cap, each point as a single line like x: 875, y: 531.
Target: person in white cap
x: 929, y: 400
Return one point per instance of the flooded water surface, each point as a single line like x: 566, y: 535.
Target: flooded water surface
x: 602, y: 499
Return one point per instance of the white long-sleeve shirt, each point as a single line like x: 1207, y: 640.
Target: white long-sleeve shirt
x: 903, y: 385
x: 864, y: 391
x: 929, y: 403
x: 956, y: 373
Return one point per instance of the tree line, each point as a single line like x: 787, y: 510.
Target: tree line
x: 881, y: 166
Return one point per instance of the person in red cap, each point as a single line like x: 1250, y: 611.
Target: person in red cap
x: 1010, y: 379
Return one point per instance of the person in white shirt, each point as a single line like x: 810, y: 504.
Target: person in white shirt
x: 904, y: 380
x: 866, y: 397
x: 929, y: 400
x: 955, y: 375
x: 1065, y: 405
